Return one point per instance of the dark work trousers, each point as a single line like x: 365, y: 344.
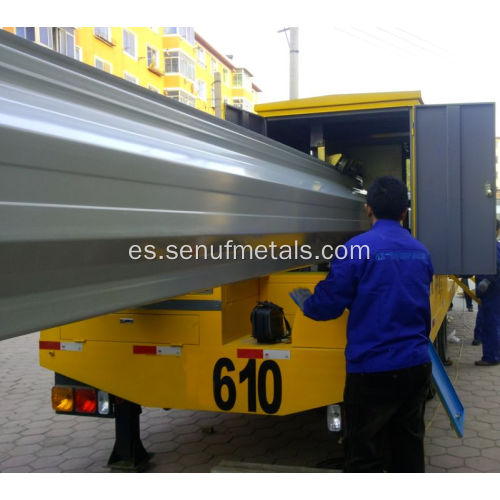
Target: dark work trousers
x: 384, y: 420
x: 467, y: 297
x: 478, y: 328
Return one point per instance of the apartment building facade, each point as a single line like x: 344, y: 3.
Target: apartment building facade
x: 174, y: 61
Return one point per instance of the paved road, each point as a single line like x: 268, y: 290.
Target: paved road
x: 34, y: 439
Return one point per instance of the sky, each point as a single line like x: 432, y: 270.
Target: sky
x: 446, y: 66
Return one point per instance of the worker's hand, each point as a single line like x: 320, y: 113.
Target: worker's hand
x: 482, y: 286
x: 300, y: 295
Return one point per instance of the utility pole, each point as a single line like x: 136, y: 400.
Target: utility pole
x: 217, y: 95
x: 293, y: 44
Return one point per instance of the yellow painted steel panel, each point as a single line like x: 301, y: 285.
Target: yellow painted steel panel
x: 168, y: 327
x: 334, y: 103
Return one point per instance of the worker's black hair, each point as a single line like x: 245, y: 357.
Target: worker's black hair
x: 388, y: 198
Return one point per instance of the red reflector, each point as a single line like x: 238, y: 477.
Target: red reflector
x: 46, y: 344
x: 250, y: 353
x: 144, y: 349
x: 85, y: 400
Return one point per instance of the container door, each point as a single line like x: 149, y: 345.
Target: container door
x: 455, y: 186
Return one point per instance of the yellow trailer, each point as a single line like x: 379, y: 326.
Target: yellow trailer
x: 196, y: 351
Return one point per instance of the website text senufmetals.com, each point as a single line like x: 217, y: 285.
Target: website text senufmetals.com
x: 231, y: 250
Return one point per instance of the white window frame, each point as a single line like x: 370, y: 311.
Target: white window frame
x: 187, y: 33
x: 156, y: 65
x: 50, y: 36
x: 201, y: 89
x: 21, y: 32
x: 170, y: 34
x: 131, y: 33
x: 213, y: 65
x: 102, y: 37
x: 130, y: 77
x: 246, y: 80
x: 67, y: 34
x: 180, y: 90
x: 78, y: 53
x: 201, y: 56
x: 245, y: 103
x: 100, y: 59
x: 180, y: 54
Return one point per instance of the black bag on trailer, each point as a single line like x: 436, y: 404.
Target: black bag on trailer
x: 269, y: 324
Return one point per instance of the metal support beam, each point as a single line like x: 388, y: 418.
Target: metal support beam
x: 128, y: 452
x: 92, y: 164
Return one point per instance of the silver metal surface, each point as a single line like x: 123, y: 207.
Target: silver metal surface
x: 91, y: 164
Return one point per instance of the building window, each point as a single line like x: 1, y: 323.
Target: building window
x: 102, y: 64
x: 27, y: 33
x: 178, y: 62
x: 39, y: 35
x: 61, y: 40
x: 153, y: 88
x: 213, y: 65
x: 64, y: 40
x: 181, y: 96
x: 242, y: 79
x: 186, y: 33
x: 130, y: 78
x: 201, y: 88
x: 152, y: 57
x: 237, y: 80
x: 78, y: 53
x: 103, y: 33
x: 45, y: 37
x: 200, y: 55
x: 225, y: 76
x: 242, y: 103
x: 129, y: 41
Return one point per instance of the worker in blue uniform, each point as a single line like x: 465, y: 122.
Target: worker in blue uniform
x: 388, y: 366
x: 488, y: 290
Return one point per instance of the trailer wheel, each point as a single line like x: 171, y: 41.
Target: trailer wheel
x: 441, y: 343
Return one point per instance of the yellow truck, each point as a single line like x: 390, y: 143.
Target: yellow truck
x: 126, y: 327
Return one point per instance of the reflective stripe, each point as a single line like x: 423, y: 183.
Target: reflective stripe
x: 168, y: 351
x: 161, y: 350
x: 144, y: 349
x: 250, y: 353
x: 60, y: 346
x: 47, y: 344
x: 72, y: 346
x: 262, y: 354
x: 276, y: 354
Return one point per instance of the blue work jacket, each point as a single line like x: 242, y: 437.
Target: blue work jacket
x: 492, y: 296
x: 387, y: 295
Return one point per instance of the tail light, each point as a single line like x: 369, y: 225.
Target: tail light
x: 82, y: 400
x: 62, y: 399
x: 85, y: 400
x: 103, y: 405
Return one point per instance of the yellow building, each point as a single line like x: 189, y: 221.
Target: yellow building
x: 174, y: 61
